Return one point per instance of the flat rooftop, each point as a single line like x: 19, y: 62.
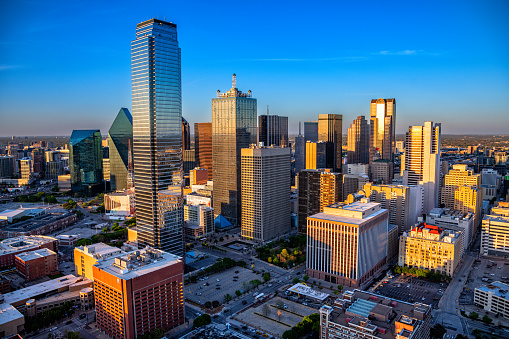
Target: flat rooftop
x: 100, y: 250
x: 43, y: 252
x: 36, y: 222
x: 138, y: 263
x: 307, y: 291
x: 23, y: 243
x: 8, y: 313
x: 11, y: 213
x: 375, y: 313
x: 496, y: 288
x: 33, y: 291
x: 344, y: 219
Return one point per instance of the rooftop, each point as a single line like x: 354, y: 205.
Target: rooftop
x: 307, y: 291
x: 11, y: 213
x: 8, y: 313
x: 100, y: 251
x: 34, y: 223
x: 138, y: 263
x: 355, y: 213
x: 43, y: 252
x: 23, y: 243
x: 496, y: 288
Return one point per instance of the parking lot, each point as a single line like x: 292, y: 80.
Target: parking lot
x: 216, y: 290
x: 409, y: 289
x: 291, y: 314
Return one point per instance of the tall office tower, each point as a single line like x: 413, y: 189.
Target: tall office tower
x: 330, y: 130
x: 265, y: 192
x: 273, y: 130
x: 86, y: 161
x: 347, y: 243
x: 404, y: 203
x: 317, y: 189
x: 157, y: 133
x: 233, y: 128
x: 186, y: 135
x: 358, y: 141
x: 316, y: 155
x: 420, y: 164
x: 7, y: 164
x: 25, y: 170
x: 54, y: 169
x: 189, y: 158
x: 382, y: 171
x: 469, y: 198
x: 203, y: 146
x: 137, y: 292
x: 383, y: 129
x: 300, y: 152
x: 311, y: 131
x: 39, y: 162
x: 120, y: 136
x: 400, y: 146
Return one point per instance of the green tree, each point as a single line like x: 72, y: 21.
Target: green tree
x: 296, y: 280
x: 305, y: 278
x: 55, y: 188
x: 50, y: 199
x: 437, y: 331
x: 266, y: 277
x: 202, y: 320
x: 474, y: 315
x: 238, y: 293
x: 487, y: 319
x: 215, y: 304
x: 208, y: 304
x: 227, y: 297
x: 84, y: 242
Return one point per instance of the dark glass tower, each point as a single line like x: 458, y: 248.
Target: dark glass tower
x: 157, y: 135
x: 186, y: 135
x: 233, y: 128
x: 86, y: 161
x: 203, y: 145
x: 358, y: 141
x: 120, y: 135
x: 330, y: 130
x: 273, y: 130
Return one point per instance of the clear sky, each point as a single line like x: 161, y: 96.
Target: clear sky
x: 65, y: 65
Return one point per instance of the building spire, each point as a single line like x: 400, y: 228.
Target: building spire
x: 234, y: 80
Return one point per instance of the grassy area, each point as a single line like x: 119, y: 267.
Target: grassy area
x: 55, y: 276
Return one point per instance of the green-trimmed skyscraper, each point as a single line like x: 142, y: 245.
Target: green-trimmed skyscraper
x: 86, y: 161
x: 120, y: 138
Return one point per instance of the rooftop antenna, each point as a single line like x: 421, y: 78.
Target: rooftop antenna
x: 267, y: 109
x: 234, y: 80
x: 299, y: 129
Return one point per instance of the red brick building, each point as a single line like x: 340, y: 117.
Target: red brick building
x: 139, y: 292
x: 9, y: 248
x: 36, y: 264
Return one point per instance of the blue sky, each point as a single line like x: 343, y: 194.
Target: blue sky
x: 65, y: 65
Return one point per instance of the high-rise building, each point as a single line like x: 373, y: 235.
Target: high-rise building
x: 462, y: 191
x: 311, y: 131
x: 265, y: 192
x: 365, y: 315
x: 453, y: 220
x: 87, y: 256
x: 233, y: 128
x: 25, y: 170
x: 432, y: 248
x: 39, y: 162
x: 273, y: 130
x: 316, y: 155
x: 420, y: 164
x: 203, y: 146
x: 383, y: 129
x: 382, y: 171
x: 199, y: 221
x: 7, y: 164
x: 157, y: 132
x: 404, y: 203
x: 120, y: 137
x: 330, y: 130
x: 189, y: 157
x: 347, y: 243
x: 317, y: 189
x: 186, y: 135
x: 300, y: 152
x: 358, y: 142
x: 86, y: 161
x: 198, y: 176
x: 138, y: 292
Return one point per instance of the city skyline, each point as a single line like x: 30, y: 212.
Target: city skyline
x: 338, y: 69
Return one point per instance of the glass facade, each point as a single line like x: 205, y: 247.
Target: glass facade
x: 157, y: 129
x: 330, y: 130
x: 86, y: 161
x: 119, y: 135
x: 273, y: 130
x: 383, y: 129
x: 234, y: 116
x: 203, y: 145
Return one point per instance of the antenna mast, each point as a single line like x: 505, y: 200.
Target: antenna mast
x: 234, y: 80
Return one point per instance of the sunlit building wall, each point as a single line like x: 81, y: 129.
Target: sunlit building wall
x: 120, y: 140
x: 383, y: 129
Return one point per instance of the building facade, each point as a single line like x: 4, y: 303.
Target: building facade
x: 203, y: 146
x: 273, y: 130
x: 199, y: 221
x: 432, y: 248
x: 316, y: 155
x: 420, y: 164
x: 157, y: 129
x: 86, y: 161
x: 120, y: 140
x: 311, y: 131
x: 454, y: 220
x: 36, y: 264
x: 234, y: 119
x: 11, y: 247
x: 265, y: 192
x: 495, y: 230
x: 186, y: 135
x: 330, y: 131
x: 347, y: 243
x: 358, y: 141
x: 493, y: 298
x: 382, y: 129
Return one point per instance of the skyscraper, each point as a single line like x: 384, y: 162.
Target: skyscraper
x: 120, y: 136
x: 265, y: 192
x: 203, y: 146
x: 311, y: 131
x: 358, y: 141
x: 330, y: 130
x: 86, y: 161
x: 383, y: 129
x: 300, y: 152
x: 233, y: 128
x: 316, y: 153
x: 420, y: 164
x: 157, y: 134
x: 273, y: 130
x: 186, y: 135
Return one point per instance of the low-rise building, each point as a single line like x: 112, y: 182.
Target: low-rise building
x: 87, y: 256
x: 9, y: 248
x: 12, y: 215
x: 198, y: 176
x: 495, y: 227
x: 493, y: 298
x: 12, y: 321
x: 119, y: 204
x: 362, y: 314
x: 43, y: 224
x: 36, y: 264
x: 432, y: 248
x: 68, y: 240
x: 453, y: 220
x: 64, y: 182
x: 199, y: 221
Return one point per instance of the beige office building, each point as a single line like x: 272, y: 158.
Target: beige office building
x: 495, y: 231
x: 420, y: 164
x: 265, y: 192
x: 432, y: 248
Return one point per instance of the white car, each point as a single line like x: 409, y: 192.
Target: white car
x: 217, y: 279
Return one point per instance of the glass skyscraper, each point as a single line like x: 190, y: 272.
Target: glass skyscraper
x: 86, y: 161
x: 234, y: 118
x: 119, y: 135
x: 157, y: 135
